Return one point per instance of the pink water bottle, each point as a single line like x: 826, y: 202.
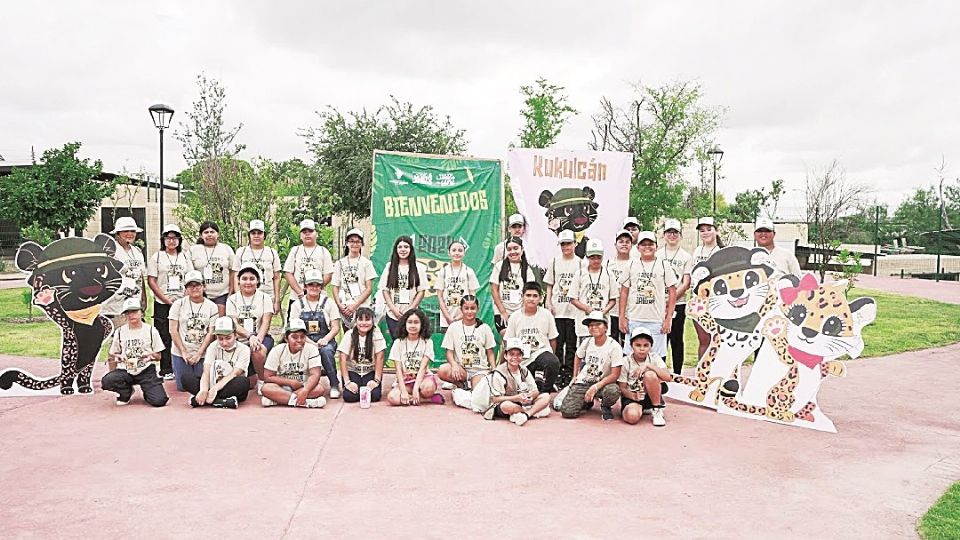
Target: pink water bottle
x: 364, y: 397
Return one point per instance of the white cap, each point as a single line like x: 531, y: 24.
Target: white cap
x: 257, y: 225
x: 223, y: 326
x: 631, y: 221
x: 646, y: 235
x: 512, y: 343
x: 250, y: 267
x: 296, y: 325
x: 624, y: 232
x: 594, y: 247
x: 354, y: 232
x: 764, y: 223
x: 640, y: 331
x: 171, y: 227
x: 594, y: 316
x: 672, y: 225
x: 308, y: 224
x: 312, y: 276
x: 707, y: 220
x: 565, y: 236
x: 516, y: 219
x: 125, y: 224
x: 131, y: 304
x: 193, y: 276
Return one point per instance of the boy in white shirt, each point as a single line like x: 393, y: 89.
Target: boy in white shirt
x: 135, y: 351
x: 596, y: 368
x: 559, y: 279
x: 642, y: 381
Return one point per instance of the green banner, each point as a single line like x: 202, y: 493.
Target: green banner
x: 435, y: 200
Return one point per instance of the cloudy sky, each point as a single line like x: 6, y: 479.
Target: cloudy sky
x: 871, y: 84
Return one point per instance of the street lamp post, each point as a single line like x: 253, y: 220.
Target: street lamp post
x: 716, y: 154
x: 161, y: 115
x: 940, y: 232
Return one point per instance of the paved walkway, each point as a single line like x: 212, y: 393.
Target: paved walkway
x: 80, y: 466
x: 943, y: 291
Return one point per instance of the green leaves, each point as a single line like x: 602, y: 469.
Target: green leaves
x: 545, y: 112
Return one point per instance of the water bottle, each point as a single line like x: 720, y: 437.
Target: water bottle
x: 364, y: 397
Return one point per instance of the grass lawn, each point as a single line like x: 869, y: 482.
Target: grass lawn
x: 942, y: 520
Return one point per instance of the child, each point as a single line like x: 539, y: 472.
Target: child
x: 513, y: 390
x: 677, y: 258
x: 224, y: 382
x: 593, y: 289
x: 353, y: 277
x: 322, y: 321
x: 252, y: 312
x: 265, y: 258
x: 412, y: 353
x: 453, y: 282
x: 361, y: 357
x: 596, y: 368
x: 135, y: 350
x: 642, y: 381
x: 191, y: 321
x: 559, y: 278
x: 647, y: 294
x: 506, y: 282
x: 709, y: 244
x: 537, y: 331
x: 214, y: 260
x: 469, y: 344
x: 292, y: 371
x: 308, y: 255
x: 403, y: 282
x: 617, y: 267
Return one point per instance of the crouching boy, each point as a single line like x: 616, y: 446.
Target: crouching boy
x: 596, y: 368
x: 513, y: 389
x: 642, y: 380
x: 135, y: 351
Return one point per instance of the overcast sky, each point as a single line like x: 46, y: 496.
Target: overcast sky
x: 872, y: 84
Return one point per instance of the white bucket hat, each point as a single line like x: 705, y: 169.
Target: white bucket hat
x: 125, y: 224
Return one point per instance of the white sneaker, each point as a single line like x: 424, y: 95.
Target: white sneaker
x: 334, y: 393
x: 267, y: 402
x: 121, y: 403
x: 259, y: 387
x: 463, y: 398
x: 316, y: 403
x: 169, y: 377
x: 658, y: 419
x: 543, y: 414
x: 447, y: 386
x: 519, y: 418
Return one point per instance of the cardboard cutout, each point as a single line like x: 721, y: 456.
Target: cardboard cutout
x: 70, y: 279
x: 812, y: 327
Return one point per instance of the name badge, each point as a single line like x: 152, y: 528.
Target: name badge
x: 354, y: 289
x: 404, y: 296
x: 513, y: 297
x: 248, y: 325
x: 313, y: 326
x: 173, y: 283
x: 207, y: 273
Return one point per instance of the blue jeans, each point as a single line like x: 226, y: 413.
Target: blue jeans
x: 181, y: 368
x: 653, y: 328
x: 327, y: 355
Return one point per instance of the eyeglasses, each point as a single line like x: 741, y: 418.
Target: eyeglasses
x: 171, y: 237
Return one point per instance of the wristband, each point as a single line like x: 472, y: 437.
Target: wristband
x: 377, y: 381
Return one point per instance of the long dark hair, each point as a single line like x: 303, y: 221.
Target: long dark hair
x: 355, y: 336
x: 424, y: 324
x: 413, y: 276
x: 204, y: 226
x: 505, y: 264
x: 163, y: 245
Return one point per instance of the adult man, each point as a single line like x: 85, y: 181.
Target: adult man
x: 306, y: 256
x: 783, y: 260
x: 264, y: 258
x: 537, y: 331
x: 648, y: 292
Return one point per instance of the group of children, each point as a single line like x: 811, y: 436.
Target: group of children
x: 599, y: 334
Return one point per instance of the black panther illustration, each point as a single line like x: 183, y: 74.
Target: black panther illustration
x: 573, y: 210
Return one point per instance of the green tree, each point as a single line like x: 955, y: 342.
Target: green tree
x: 829, y: 198
x: 343, y: 145
x: 59, y: 193
x: 663, y: 128
x: 750, y: 204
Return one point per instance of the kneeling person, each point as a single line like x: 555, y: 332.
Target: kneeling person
x: 224, y: 381
x: 469, y: 344
x: 513, y: 390
x: 135, y: 351
x: 642, y: 381
x: 596, y: 368
x: 292, y: 371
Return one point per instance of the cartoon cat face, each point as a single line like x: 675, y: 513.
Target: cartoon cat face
x: 822, y: 322
x: 570, y: 209
x: 82, y: 272
x: 734, y: 282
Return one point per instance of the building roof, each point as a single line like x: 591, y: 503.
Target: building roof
x: 7, y: 168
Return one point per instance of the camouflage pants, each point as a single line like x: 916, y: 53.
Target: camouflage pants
x: 573, y: 403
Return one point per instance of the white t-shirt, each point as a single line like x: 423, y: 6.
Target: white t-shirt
x: 248, y: 310
x: 266, y: 260
x: 784, y: 261
x: 470, y: 345
x: 403, y: 294
x: 617, y: 269
x: 215, y: 264
x: 498, y: 385
x: 134, y: 345
x: 305, y: 309
x: 293, y: 366
x: 301, y: 259
x: 678, y: 263
x: 134, y: 268
x: 700, y: 254
x: 597, y: 361
x: 455, y: 283
x: 560, y: 273
x: 362, y: 365
x: 351, y: 277
x: 194, y: 322
x: 594, y: 290
x: 629, y: 365
x: 511, y: 290
x: 169, y: 271
x: 648, y: 282
x: 219, y: 362
x: 408, y: 355
x: 535, y: 331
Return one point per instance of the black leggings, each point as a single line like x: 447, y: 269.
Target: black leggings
x: 236, y: 387
x: 675, y: 337
x: 361, y: 381
x: 549, y: 364
x: 161, y: 312
x: 566, y: 347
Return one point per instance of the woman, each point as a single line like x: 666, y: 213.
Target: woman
x: 454, y: 281
x: 223, y: 383
x: 709, y: 244
x: 403, y: 282
x: 361, y: 358
x: 214, y: 260
x: 165, y: 273
x: 191, y: 320
x: 469, y: 344
x: 412, y: 353
x: 506, y: 282
x: 252, y: 311
x: 125, y: 233
x: 265, y: 258
x: 353, y: 277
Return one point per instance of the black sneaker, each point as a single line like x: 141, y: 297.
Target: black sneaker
x: 227, y: 403
x: 193, y: 402
x: 606, y: 413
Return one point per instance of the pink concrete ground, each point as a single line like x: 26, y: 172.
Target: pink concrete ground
x: 943, y: 291
x: 80, y: 466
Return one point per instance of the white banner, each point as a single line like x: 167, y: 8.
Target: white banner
x: 583, y: 191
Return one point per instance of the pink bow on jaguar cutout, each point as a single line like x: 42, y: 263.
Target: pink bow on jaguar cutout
x: 808, y: 283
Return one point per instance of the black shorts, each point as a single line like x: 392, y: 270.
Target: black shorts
x: 500, y: 324
x: 498, y: 412
x: 645, y: 402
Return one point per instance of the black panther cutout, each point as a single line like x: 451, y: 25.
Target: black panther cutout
x: 573, y: 210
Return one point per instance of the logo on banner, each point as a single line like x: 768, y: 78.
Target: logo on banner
x: 572, y: 210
